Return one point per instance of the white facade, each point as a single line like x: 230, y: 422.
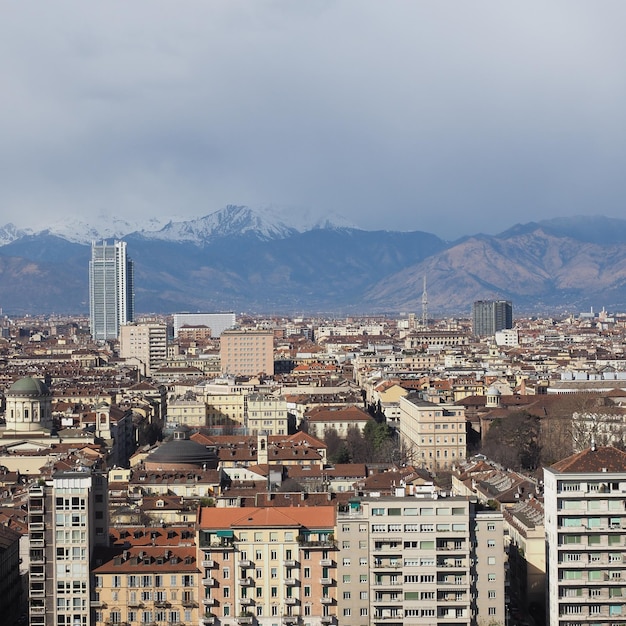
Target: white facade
x: 585, y: 522
x: 145, y: 342
x: 217, y: 322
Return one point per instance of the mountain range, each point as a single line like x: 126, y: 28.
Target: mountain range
x: 258, y: 261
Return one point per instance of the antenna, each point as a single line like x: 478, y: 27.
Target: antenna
x: 424, y: 305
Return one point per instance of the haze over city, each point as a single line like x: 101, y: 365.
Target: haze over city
x: 402, y: 116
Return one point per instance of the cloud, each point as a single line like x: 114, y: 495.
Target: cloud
x: 447, y: 117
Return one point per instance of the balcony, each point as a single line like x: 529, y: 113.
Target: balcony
x: 189, y: 603
x: 161, y: 604
x: 290, y: 563
x: 135, y: 604
x: 245, y: 619
x: 208, y: 581
x: 246, y: 563
x: 326, y: 562
x: 208, y: 620
x: 209, y: 563
x: 246, y: 601
x: 326, y: 581
x: 290, y: 619
x: 246, y: 582
x: 326, y: 600
x: 291, y: 601
x: 327, y: 619
x: 291, y: 582
x: 97, y: 604
x: 209, y: 601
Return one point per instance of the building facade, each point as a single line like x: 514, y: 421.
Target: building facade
x: 491, y: 316
x: 217, y: 322
x: 408, y: 560
x: 111, y: 290
x: 247, y: 352
x: 585, y: 522
x: 434, y: 434
x: 67, y: 518
x: 145, y: 343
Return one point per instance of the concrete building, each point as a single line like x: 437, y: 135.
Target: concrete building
x: 111, y: 289
x: 144, y: 343
x: 67, y: 518
x: 585, y: 522
x: 10, y: 579
x: 420, y: 560
x: 217, y: 322
x: 490, y: 316
x: 435, y: 433
x: 247, y: 352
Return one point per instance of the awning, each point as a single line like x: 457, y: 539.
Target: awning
x: 224, y: 533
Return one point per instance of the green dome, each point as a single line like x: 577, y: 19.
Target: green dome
x: 28, y: 387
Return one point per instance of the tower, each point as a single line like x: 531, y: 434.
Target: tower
x: 111, y: 289
x: 424, y: 306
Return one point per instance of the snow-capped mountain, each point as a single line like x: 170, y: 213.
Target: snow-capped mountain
x: 232, y: 221
x: 10, y: 232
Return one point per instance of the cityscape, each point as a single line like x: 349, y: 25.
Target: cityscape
x: 221, y: 468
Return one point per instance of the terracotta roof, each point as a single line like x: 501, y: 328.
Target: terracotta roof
x: 601, y: 459
x: 309, y: 517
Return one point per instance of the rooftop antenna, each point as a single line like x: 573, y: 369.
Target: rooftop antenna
x: 424, y: 305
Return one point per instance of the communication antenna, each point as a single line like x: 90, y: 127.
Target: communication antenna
x: 424, y: 305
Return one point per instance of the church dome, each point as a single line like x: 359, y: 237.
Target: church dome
x: 28, y: 387
x: 185, y: 452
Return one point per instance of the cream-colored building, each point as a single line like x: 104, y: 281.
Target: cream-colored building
x: 434, y: 432
x: 267, y: 413
x: 144, y: 343
x: 247, y: 352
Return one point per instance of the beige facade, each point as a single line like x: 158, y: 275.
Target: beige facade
x: 420, y: 561
x: 247, y: 352
x: 434, y: 432
x: 268, y: 565
x: 267, y: 414
x: 144, y: 343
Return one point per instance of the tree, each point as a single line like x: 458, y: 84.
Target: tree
x: 514, y: 441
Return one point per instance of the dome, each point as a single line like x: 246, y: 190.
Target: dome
x: 183, y: 451
x: 28, y: 387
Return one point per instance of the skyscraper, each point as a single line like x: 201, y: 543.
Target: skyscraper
x: 111, y: 289
x: 490, y: 316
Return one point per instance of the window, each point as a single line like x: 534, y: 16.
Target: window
x: 491, y: 578
x: 492, y: 610
x: 491, y: 543
x: 492, y: 594
x: 346, y: 612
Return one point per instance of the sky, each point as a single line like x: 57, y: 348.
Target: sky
x: 450, y: 117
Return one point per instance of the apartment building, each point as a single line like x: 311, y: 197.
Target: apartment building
x: 585, y: 522
x: 268, y: 565
x: 266, y: 413
x: 147, y: 584
x: 434, y: 432
x: 408, y: 560
x: 247, y: 352
x: 67, y: 519
x: 145, y: 344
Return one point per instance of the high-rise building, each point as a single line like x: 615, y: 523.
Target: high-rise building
x: 111, y: 289
x: 67, y: 518
x: 585, y: 523
x: 490, y: 316
x: 419, y: 560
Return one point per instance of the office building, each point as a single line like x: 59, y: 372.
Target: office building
x: 420, y: 561
x: 146, y: 344
x: 490, y: 316
x: 247, y: 352
x: 111, y: 290
x: 67, y: 518
x: 585, y: 522
x: 217, y: 322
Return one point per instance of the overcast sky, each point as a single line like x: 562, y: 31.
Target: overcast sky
x: 449, y: 117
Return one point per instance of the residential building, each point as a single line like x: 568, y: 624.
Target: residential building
x: 269, y: 565
x: 267, y: 414
x: 147, y: 581
x: 247, y: 352
x: 585, y: 522
x: 341, y: 419
x: 10, y: 579
x: 420, y: 560
x: 145, y: 344
x: 111, y: 289
x: 490, y: 316
x: 433, y: 433
x: 67, y: 518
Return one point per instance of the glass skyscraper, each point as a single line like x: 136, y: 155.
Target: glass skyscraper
x: 111, y: 289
